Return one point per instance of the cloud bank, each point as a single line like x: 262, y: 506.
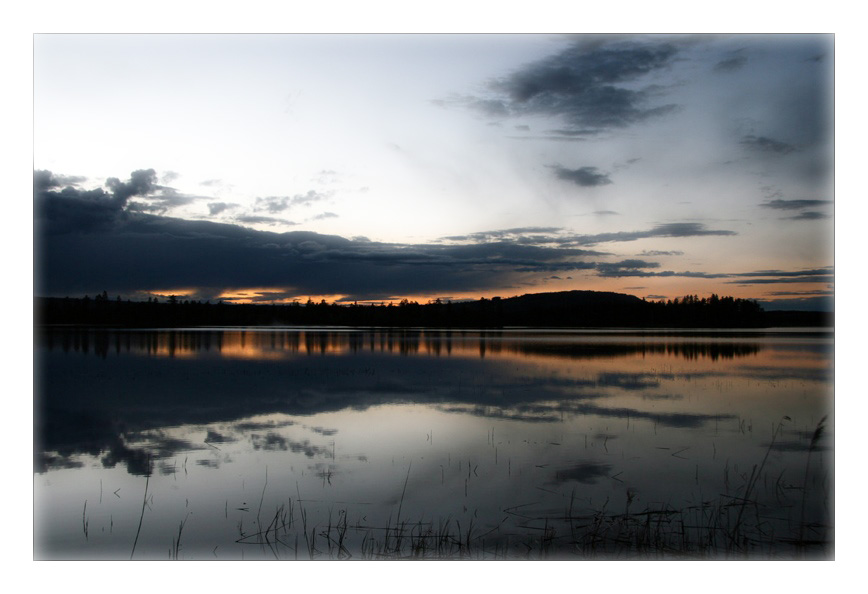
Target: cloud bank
x: 94, y: 240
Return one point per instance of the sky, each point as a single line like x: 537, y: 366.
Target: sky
x: 273, y: 168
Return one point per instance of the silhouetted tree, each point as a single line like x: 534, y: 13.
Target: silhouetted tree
x: 564, y: 309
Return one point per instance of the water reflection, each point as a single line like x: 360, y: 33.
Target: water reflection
x: 265, y: 344
x: 354, y: 410
x: 149, y: 379
x: 586, y: 472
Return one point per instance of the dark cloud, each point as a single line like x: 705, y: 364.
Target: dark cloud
x: 72, y: 209
x: 564, y: 135
x: 661, y: 253
x: 559, y: 237
x: 325, y: 215
x: 152, y: 208
x: 761, y: 277
x: 272, y: 204
x: 662, y: 230
x: 618, y: 272
x: 685, y: 230
x: 45, y: 180
x: 574, y: 133
x: 168, y: 199
x: 606, y: 212
x: 276, y: 204
x: 767, y: 145
x: 808, y: 215
x: 730, y: 64
x: 215, y: 208
x: 583, y: 176
x: 624, y: 267
x: 555, y: 138
x: 591, y: 85
x: 789, y: 273
x: 825, y: 293
x: 88, y: 241
x: 517, y: 234
x: 782, y: 280
x: 637, y: 268
x: 142, y: 182
x: 260, y: 220
x: 794, y: 204
x: 745, y: 278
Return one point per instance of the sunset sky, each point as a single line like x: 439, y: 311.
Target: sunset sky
x: 377, y: 167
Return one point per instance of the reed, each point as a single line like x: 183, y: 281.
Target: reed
x: 144, y: 503
x: 815, y: 442
x: 753, y: 518
x: 176, y: 542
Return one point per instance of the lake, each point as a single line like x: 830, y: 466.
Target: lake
x: 344, y: 443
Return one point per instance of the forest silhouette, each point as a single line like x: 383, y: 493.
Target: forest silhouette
x: 577, y: 309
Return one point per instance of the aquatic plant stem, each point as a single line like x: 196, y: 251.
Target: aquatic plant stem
x: 144, y: 502
x: 401, y: 504
x: 815, y: 440
x: 754, y: 476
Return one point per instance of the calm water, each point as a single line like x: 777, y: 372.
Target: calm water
x: 336, y: 443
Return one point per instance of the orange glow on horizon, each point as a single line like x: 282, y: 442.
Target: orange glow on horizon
x: 649, y: 288
x: 164, y: 294
x: 261, y: 295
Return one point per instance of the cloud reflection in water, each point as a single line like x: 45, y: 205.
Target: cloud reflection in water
x: 143, y: 381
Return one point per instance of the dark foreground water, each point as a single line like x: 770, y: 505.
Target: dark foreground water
x: 266, y: 443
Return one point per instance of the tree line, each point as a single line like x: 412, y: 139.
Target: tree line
x: 562, y: 309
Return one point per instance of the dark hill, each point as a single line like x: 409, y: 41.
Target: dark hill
x: 576, y: 308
